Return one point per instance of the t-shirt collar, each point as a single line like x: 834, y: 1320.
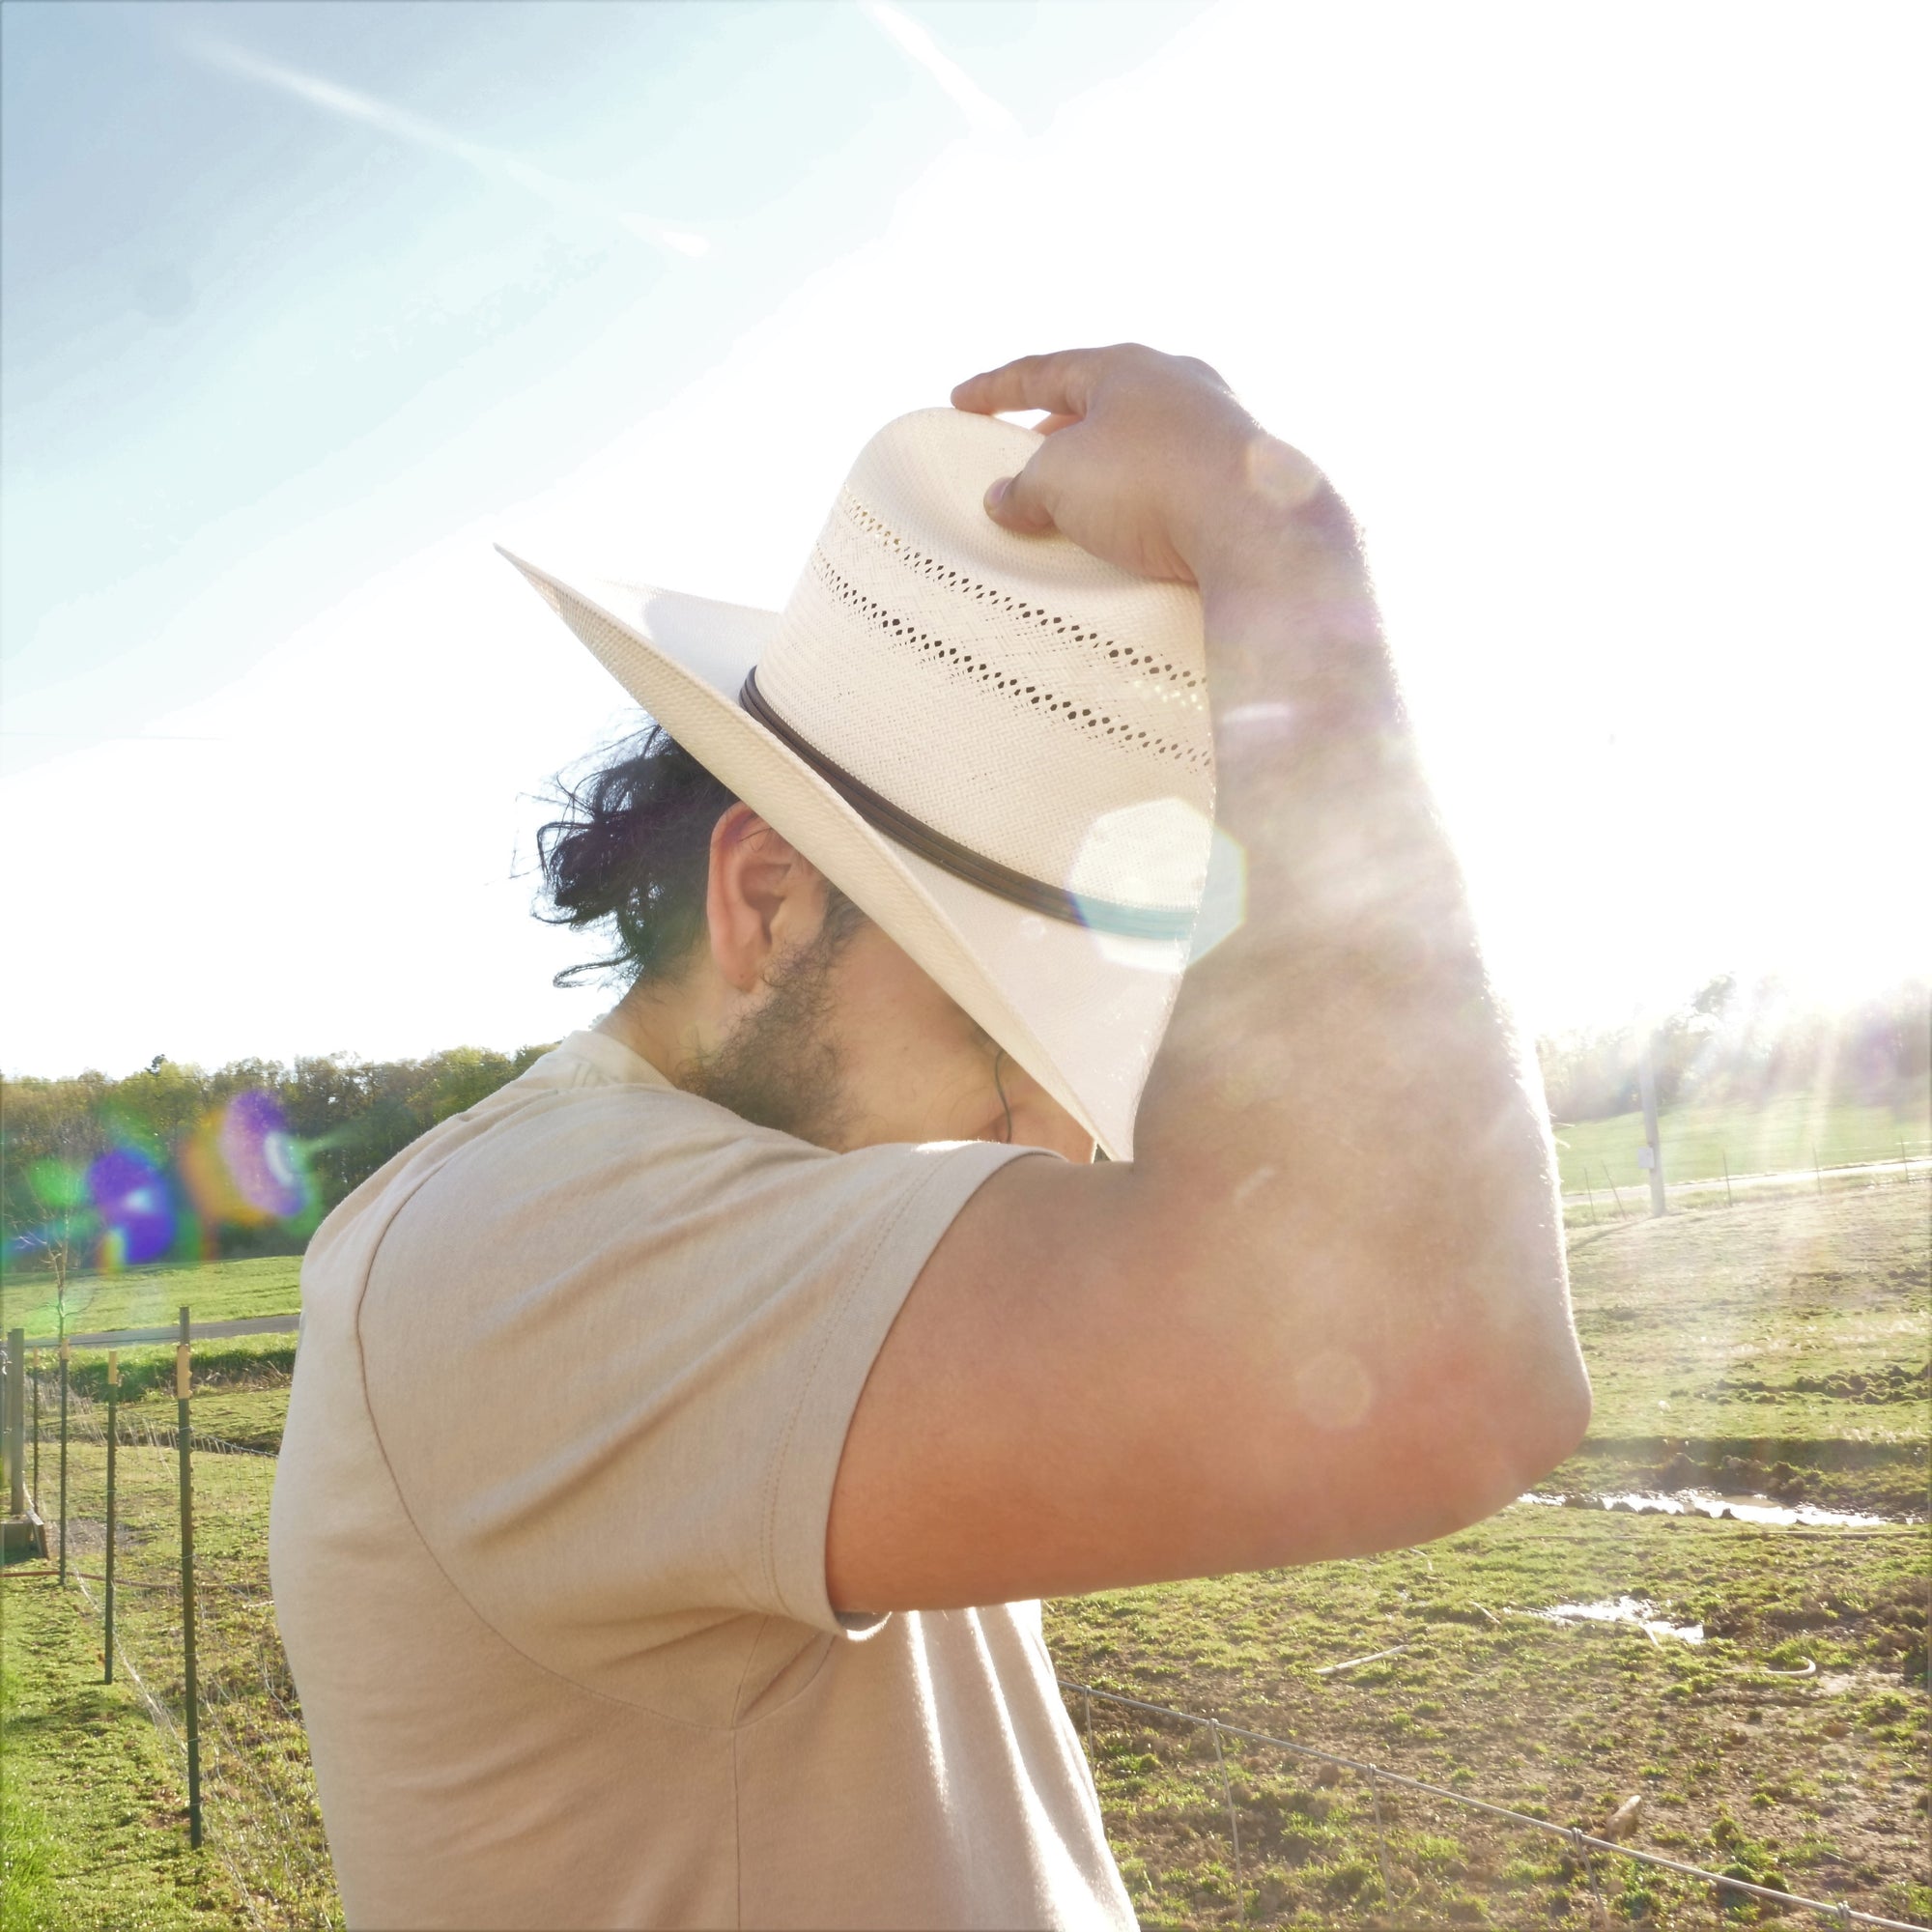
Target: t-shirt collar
x: 608, y: 1060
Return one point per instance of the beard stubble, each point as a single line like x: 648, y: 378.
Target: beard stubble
x: 781, y: 1068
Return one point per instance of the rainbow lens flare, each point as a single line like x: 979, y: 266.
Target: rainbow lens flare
x: 260, y: 1154
x: 135, y: 1205
x: 243, y: 1166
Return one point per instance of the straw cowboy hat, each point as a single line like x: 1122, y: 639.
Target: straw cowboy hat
x: 997, y: 746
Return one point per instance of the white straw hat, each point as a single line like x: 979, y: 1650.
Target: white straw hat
x: 997, y: 746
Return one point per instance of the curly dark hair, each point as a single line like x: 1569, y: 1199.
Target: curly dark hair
x: 632, y: 855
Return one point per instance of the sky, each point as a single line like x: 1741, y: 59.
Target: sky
x: 1607, y: 321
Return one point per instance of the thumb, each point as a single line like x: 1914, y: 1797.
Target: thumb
x: 1020, y: 503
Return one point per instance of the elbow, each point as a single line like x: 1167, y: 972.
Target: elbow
x: 1503, y: 1437
x: 1549, y: 1426
x: 1531, y: 1426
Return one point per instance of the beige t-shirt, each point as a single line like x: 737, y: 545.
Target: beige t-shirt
x: 549, y: 1542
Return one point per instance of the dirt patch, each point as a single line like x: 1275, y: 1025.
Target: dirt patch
x: 1896, y: 1382
x: 1887, y: 1623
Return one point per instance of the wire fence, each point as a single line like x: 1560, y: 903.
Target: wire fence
x: 1793, y: 1133
x: 1597, y: 1190
x: 1414, y: 1865
x: 240, y: 1738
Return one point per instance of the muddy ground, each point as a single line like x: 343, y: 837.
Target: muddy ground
x: 1777, y: 1348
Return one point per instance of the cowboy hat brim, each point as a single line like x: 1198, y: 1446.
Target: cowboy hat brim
x: 1082, y: 1011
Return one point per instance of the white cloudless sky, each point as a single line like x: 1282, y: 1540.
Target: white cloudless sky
x: 1607, y: 321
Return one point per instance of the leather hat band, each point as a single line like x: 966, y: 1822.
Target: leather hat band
x: 961, y: 861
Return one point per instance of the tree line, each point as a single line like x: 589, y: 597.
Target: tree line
x: 345, y: 1117
x: 1732, y: 1042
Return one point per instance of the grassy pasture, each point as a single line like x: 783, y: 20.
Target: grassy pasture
x: 1819, y: 1781
x: 263, y: 1829
x: 91, y: 1803
x: 1787, y: 1337
x: 240, y: 1388
x: 1779, y: 1345
x: 1775, y: 1136
x: 146, y: 1297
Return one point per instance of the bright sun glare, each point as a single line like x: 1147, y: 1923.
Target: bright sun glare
x: 1616, y: 357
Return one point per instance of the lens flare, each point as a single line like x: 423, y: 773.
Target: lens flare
x: 260, y: 1154
x: 136, y: 1207
x: 244, y: 1166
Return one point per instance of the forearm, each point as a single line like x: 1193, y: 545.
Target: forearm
x: 1338, y: 1146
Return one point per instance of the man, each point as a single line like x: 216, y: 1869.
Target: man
x: 667, y: 1425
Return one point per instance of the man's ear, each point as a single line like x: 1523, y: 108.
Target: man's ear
x: 762, y: 893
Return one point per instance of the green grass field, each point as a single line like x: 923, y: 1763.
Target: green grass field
x: 1780, y: 1344
x: 263, y: 1829
x: 1782, y: 1334
x: 146, y: 1297
x: 91, y: 1801
x: 1778, y: 1136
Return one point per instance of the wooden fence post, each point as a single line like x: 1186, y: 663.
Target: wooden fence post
x: 113, y: 1434
x: 183, y: 1428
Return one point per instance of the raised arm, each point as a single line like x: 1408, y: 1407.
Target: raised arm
x: 1324, y: 1311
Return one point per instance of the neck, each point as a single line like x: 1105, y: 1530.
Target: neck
x: 659, y: 1023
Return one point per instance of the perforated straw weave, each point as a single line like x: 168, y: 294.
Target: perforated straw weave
x: 1011, y: 697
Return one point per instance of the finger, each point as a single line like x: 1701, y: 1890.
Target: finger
x: 1022, y: 502
x: 1052, y: 423
x: 1059, y: 383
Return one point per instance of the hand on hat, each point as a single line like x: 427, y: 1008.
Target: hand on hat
x: 1149, y: 461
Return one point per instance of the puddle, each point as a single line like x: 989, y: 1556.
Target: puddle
x: 1722, y: 1508
x: 1638, y: 1611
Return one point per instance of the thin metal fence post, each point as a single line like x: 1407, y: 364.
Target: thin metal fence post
x: 1233, y: 1824
x: 37, y: 1442
x: 16, y: 1422
x: 1589, y: 1194
x: 63, y: 1458
x: 113, y: 1437
x: 1088, y: 1696
x: 1726, y: 1159
x: 1817, y: 1171
x: 1614, y: 1195
x: 183, y: 1429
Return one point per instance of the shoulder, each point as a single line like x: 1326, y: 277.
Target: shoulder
x: 649, y: 1196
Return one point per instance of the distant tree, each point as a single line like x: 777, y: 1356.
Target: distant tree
x: 1732, y: 1042
x: 49, y: 1138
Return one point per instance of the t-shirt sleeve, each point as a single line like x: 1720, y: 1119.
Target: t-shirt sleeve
x: 613, y: 1371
